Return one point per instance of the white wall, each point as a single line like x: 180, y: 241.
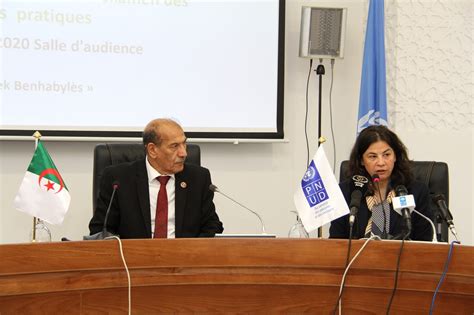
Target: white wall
x: 264, y: 176
x: 430, y: 84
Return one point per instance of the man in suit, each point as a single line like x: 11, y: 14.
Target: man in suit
x: 159, y: 196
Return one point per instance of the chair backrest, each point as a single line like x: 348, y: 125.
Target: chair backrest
x: 106, y: 154
x: 435, y: 175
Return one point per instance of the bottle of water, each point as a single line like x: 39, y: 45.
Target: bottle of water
x: 297, y: 230
x: 43, y: 234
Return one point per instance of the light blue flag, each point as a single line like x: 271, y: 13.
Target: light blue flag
x: 373, y: 90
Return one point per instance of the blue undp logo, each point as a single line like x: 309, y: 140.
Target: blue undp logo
x: 403, y: 201
x: 313, y: 187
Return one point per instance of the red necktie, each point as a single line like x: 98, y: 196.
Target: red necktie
x: 161, y: 217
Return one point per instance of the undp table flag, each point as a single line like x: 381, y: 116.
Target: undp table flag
x: 43, y: 193
x: 319, y: 199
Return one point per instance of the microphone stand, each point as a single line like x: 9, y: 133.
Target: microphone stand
x: 104, y: 234
x: 439, y: 229
x: 258, y: 216
x: 214, y: 188
x: 320, y: 71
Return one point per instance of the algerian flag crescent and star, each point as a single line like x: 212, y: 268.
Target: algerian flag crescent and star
x: 43, y: 193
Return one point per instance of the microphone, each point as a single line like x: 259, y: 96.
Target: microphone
x: 214, y: 188
x: 404, y: 204
x: 104, y: 233
x: 445, y: 213
x: 376, y: 178
x: 360, y: 188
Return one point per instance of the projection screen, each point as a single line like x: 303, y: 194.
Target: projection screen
x: 104, y: 68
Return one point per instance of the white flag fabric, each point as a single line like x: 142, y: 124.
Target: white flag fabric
x: 318, y: 198
x: 43, y: 193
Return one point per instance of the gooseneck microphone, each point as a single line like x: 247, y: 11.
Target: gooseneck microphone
x: 115, y: 186
x: 356, y: 198
x: 214, y: 188
x: 404, y: 203
x: 446, y: 215
x: 359, y: 189
x: 104, y: 233
x: 376, y: 181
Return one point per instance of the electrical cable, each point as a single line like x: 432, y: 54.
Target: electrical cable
x: 306, y: 113
x: 433, y: 238
x: 343, y: 280
x: 443, y: 276
x: 396, y: 276
x: 330, y: 115
x: 345, y: 266
x: 127, y: 271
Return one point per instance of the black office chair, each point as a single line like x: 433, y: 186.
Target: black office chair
x: 106, y: 154
x: 436, y: 176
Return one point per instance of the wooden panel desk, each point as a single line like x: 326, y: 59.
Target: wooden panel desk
x: 246, y: 276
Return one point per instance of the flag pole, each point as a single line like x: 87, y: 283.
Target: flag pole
x: 34, y: 230
x: 320, y: 71
x: 37, y: 136
x: 321, y: 140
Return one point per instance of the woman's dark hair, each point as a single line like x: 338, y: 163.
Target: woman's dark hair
x: 401, y: 174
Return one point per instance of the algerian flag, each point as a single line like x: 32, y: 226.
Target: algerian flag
x: 318, y: 198
x: 43, y: 193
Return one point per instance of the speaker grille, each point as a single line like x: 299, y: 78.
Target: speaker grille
x: 325, y: 31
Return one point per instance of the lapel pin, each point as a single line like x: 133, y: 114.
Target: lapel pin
x: 183, y: 185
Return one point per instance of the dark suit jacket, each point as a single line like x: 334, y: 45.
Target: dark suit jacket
x: 421, y: 228
x: 129, y: 215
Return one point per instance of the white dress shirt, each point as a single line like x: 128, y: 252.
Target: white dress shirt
x: 154, y: 188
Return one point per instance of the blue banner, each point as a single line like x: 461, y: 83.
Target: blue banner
x: 373, y: 90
